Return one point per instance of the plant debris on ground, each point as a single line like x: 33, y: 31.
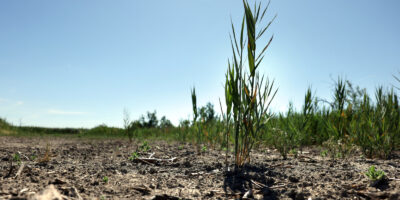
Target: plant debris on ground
x: 78, y: 167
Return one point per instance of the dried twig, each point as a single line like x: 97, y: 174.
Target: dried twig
x: 8, y: 196
x: 23, y: 155
x: 22, y: 191
x: 142, y: 189
x: 248, y: 194
x: 373, y: 195
x: 151, y: 155
x: 77, y: 193
x: 258, y: 184
x: 277, y: 186
x: 20, y: 170
x: 277, y: 165
x: 144, y: 161
x: 151, y: 160
x: 281, y: 165
x: 197, y: 173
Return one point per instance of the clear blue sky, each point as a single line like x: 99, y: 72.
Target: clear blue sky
x: 80, y: 63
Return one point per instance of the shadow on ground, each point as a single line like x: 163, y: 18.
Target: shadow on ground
x: 256, y: 179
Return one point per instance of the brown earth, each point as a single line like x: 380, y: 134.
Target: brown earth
x: 76, y: 169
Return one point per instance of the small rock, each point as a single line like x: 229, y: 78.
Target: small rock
x: 293, y: 179
x: 71, y: 169
x: 306, y: 184
x: 210, y: 194
x: 152, y: 171
x: 266, y: 191
x: 34, y: 179
x: 270, y: 181
x: 175, y: 164
x: 109, y: 191
x: 300, y: 196
x: 292, y: 194
x: 343, y: 193
x: 196, y: 194
x: 94, y: 183
x: 209, y: 168
x: 58, y: 181
x: 187, y: 164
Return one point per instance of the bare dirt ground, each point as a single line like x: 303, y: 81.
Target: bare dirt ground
x: 77, y: 170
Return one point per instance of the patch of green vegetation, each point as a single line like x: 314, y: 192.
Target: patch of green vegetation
x: 324, y: 153
x: 33, y: 157
x: 374, y: 174
x: 105, y: 179
x: 204, y: 149
x: 17, y: 158
x: 145, y: 147
x: 293, y: 152
x: 133, y: 156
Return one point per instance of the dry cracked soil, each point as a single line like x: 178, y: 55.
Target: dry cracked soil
x: 61, y: 168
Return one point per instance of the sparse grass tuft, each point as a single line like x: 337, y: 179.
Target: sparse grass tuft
x: 374, y: 175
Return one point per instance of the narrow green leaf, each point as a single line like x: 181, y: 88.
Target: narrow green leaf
x: 241, y: 34
x: 234, y: 38
x: 265, y: 10
x: 265, y: 48
x: 265, y: 28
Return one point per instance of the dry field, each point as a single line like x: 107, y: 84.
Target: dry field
x: 101, y: 169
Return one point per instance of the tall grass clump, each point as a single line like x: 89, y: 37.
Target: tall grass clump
x: 293, y: 130
x: 377, y: 127
x: 248, y: 95
x: 356, y: 120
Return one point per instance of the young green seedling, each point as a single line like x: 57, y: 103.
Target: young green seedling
x: 133, y: 156
x: 17, y: 158
x: 105, y: 179
x: 204, y: 149
x: 145, y: 146
x: 375, y: 175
